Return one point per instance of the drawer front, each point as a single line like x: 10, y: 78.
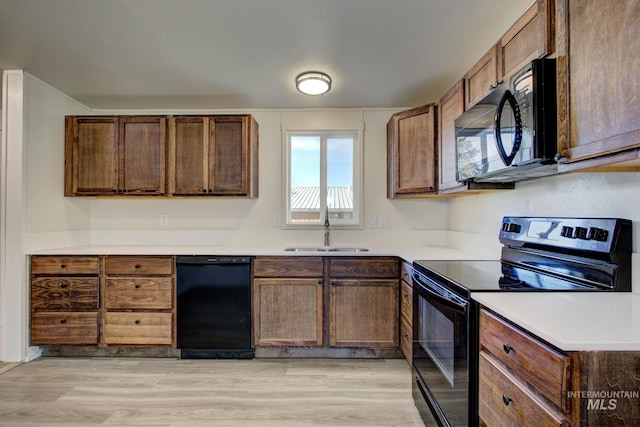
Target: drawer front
x: 504, y: 401
x: 129, y: 265
x: 139, y: 293
x: 541, y: 366
x: 406, y: 341
x: 51, y: 328
x: 287, y: 266
x: 406, y: 301
x: 64, y: 293
x: 138, y: 328
x: 61, y: 265
x: 363, y: 267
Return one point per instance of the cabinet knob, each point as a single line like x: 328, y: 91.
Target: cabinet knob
x: 63, y: 285
x: 137, y: 322
x: 333, y: 283
x: 137, y: 286
x: 63, y: 321
x: 319, y: 281
x: 506, y: 400
x: 137, y: 266
x: 63, y: 265
x: 507, y: 348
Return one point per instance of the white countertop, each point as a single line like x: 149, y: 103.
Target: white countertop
x: 572, y: 321
x: 407, y: 253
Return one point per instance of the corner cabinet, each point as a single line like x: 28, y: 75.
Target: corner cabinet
x: 114, y: 155
x: 412, y: 167
x: 161, y: 156
x: 213, y: 155
x: 598, y: 90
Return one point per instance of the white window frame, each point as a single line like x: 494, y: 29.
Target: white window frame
x: 358, y: 182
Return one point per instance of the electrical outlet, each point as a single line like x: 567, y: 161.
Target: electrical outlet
x: 382, y: 221
x: 277, y: 220
x: 372, y: 221
x: 164, y: 220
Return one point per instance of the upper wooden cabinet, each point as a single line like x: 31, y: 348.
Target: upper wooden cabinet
x: 213, y: 155
x: 598, y: 90
x: 115, y: 155
x: 411, y: 152
x: 160, y: 155
x: 532, y: 36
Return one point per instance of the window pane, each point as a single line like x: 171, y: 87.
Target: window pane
x: 340, y: 177
x: 305, y: 179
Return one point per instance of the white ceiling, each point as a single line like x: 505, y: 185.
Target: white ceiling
x: 228, y: 54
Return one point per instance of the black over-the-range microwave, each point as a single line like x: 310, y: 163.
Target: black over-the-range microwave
x: 511, y: 134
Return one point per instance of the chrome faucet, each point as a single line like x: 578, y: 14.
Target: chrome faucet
x: 326, y: 227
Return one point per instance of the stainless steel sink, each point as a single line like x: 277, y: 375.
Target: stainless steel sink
x: 327, y: 249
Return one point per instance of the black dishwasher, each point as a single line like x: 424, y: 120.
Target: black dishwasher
x: 214, y: 307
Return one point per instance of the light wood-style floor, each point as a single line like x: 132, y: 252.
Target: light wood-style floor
x: 72, y: 392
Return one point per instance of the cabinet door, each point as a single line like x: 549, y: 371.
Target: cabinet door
x: 189, y: 138
x: 228, y: 156
x: 411, y: 155
x: 597, y: 82
x: 482, y: 78
x: 91, y: 155
x: 363, y: 313
x: 287, y: 312
x: 142, y: 155
x: 529, y: 38
x: 451, y: 107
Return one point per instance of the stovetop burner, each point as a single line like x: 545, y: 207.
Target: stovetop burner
x: 546, y: 254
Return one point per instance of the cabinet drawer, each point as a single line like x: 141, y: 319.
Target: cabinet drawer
x: 65, y: 265
x: 64, y: 293
x: 53, y: 328
x: 406, y: 339
x: 139, y: 293
x: 138, y: 328
x: 542, y: 367
x: 504, y: 401
x: 128, y: 265
x: 406, y: 301
x: 362, y: 267
x: 287, y: 267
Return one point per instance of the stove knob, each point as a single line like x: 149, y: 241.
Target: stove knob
x: 566, y: 231
x: 514, y: 228
x: 597, y: 234
x: 580, y: 233
x: 505, y: 226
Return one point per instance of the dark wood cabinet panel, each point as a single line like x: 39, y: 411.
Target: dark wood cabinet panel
x: 364, y: 267
x: 481, y: 78
x: 142, y: 154
x: 191, y: 150
x: 598, y: 50
x: 64, y: 328
x: 64, y: 293
x: 411, y: 153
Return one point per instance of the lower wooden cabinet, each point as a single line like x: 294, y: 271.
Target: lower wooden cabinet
x: 103, y: 300
x: 526, y: 382
x: 345, y: 302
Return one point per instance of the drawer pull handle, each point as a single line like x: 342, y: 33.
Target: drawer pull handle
x: 62, y: 285
x: 63, y: 321
x: 507, y: 348
x: 506, y: 400
x: 137, y: 266
x: 137, y: 286
x: 137, y: 322
x: 63, y: 266
x: 319, y: 281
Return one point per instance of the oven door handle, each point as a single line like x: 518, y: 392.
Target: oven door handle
x: 452, y: 302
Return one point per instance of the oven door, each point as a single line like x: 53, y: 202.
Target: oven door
x: 443, y: 350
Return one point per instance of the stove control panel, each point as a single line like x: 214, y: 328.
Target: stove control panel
x: 593, y: 234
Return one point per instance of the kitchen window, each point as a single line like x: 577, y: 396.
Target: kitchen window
x: 323, y: 172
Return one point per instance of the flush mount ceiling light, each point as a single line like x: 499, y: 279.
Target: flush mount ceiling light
x: 313, y: 83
